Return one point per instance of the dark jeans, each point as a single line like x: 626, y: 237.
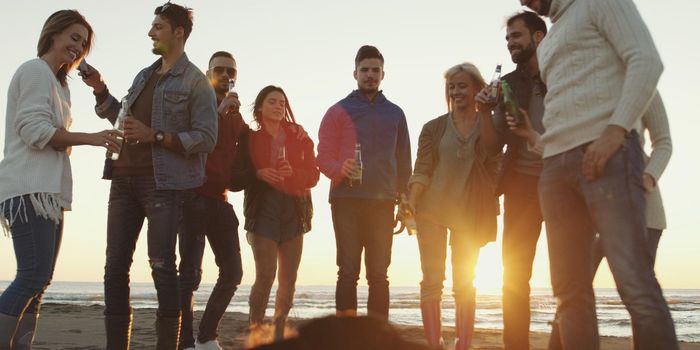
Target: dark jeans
x: 432, y: 244
x: 131, y: 200
x: 36, y: 241
x: 653, y: 237
x: 522, y: 223
x: 363, y: 224
x: 613, y: 205
x: 215, y: 219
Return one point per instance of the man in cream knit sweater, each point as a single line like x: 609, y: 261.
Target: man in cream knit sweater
x: 601, y: 68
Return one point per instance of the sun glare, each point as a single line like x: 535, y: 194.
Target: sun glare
x: 489, y: 270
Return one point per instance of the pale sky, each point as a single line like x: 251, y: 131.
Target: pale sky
x: 307, y: 47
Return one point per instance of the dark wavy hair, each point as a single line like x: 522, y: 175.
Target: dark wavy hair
x: 177, y: 16
x: 533, y: 22
x: 56, y: 24
x: 288, y: 115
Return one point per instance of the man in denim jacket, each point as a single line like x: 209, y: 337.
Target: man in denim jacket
x: 171, y: 127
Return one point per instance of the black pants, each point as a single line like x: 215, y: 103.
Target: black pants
x: 522, y: 225
x: 214, y: 219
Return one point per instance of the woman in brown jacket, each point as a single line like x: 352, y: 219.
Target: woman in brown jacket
x: 452, y: 188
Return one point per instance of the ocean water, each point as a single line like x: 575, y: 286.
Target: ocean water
x: 315, y: 301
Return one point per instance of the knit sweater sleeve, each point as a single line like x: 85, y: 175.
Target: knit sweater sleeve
x: 620, y: 23
x: 656, y: 121
x: 34, y: 121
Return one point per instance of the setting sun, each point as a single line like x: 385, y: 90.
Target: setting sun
x: 489, y: 270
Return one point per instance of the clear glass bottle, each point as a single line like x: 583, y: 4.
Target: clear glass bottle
x: 231, y: 86
x: 119, y: 126
x: 493, y: 93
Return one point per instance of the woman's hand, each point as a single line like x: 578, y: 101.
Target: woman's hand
x: 524, y: 128
x: 412, y: 203
x: 284, y: 169
x: 649, y: 183
x: 269, y: 175
x: 483, y: 99
x: 107, y: 139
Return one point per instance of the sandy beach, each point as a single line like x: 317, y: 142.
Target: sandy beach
x: 81, y: 327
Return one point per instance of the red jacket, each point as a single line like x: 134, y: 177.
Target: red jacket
x: 255, y: 153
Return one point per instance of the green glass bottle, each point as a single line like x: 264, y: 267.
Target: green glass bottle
x: 510, y: 103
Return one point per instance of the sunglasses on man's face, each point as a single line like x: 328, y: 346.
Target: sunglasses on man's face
x: 230, y: 71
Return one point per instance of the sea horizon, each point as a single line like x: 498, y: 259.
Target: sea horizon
x: 319, y: 300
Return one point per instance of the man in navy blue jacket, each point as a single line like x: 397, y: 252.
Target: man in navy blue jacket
x: 363, y: 209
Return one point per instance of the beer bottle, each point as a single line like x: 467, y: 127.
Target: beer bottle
x: 510, y: 103
x: 356, y: 178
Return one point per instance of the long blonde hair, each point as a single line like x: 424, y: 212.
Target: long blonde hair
x: 468, y: 68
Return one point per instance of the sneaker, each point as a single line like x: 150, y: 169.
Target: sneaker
x: 209, y: 345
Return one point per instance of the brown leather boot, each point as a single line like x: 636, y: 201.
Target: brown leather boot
x: 432, y: 322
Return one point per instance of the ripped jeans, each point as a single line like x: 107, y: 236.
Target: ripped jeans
x: 131, y: 200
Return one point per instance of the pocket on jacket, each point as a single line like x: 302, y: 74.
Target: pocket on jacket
x: 176, y: 108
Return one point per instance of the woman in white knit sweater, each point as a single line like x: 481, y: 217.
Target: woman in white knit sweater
x: 35, y: 173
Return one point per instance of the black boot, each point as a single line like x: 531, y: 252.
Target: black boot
x: 118, y: 329
x: 8, y: 325
x: 24, y: 335
x: 168, y: 332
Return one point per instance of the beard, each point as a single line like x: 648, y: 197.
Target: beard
x: 159, y: 48
x: 544, y: 9
x: 374, y: 87
x: 220, y: 88
x: 525, y: 54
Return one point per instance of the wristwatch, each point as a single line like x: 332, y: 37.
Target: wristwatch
x: 159, y: 136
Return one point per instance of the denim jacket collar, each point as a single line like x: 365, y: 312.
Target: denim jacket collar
x: 176, y: 70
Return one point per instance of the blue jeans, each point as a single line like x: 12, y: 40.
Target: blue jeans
x: 131, y: 200
x: 36, y: 241
x: 613, y: 205
x: 214, y: 219
x: 363, y: 224
x: 653, y: 237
